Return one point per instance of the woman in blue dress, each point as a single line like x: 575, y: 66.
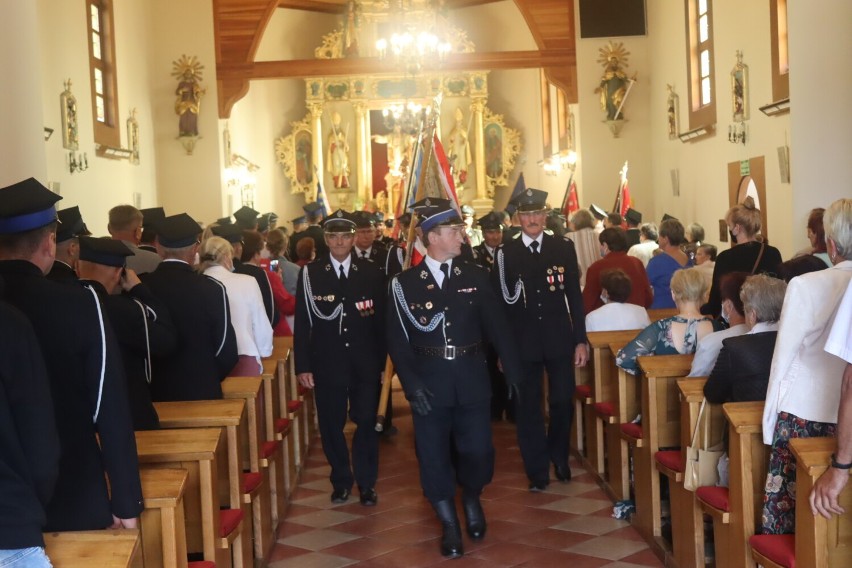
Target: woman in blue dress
x: 679, y: 334
x: 664, y: 264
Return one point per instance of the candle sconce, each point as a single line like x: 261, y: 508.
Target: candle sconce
x: 77, y: 162
x: 738, y: 133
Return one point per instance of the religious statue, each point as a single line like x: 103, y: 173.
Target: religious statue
x: 187, y: 70
x: 399, y: 146
x: 614, y: 84
x: 458, y: 149
x: 351, y: 29
x: 671, y: 112
x: 70, y: 136
x: 133, y: 136
x: 338, y: 153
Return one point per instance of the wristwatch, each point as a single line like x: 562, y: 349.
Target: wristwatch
x: 836, y: 465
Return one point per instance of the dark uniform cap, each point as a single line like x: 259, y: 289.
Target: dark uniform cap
x: 152, y: 216
x: 231, y: 233
x: 434, y: 211
x: 378, y: 218
x: 108, y: 252
x: 362, y: 219
x: 25, y: 206
x: 633, y: 217
x: 666, y: 217
x: 246, y: 215
x: 311, y: 208
x: 404, y: 219
x: 225, y: 221
x: 300, y: 219
x: 266, y: 221
x: 178, y: 231
x: 598, y: 211
x: 70, y: 224
x: 531, y: 200
x: 339, y: 222
x: 389, y: 223
x: 491, y: 222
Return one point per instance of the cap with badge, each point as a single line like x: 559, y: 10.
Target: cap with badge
x: 178, y: 231
x: 246, y: 216
x: 266, y: 221
x: 667, y: 217
x: 231, y: 233
x: 633, y: 217
x: 70, y: 224
x: 362, y: 219
x: 299, y: 220
x: 26, y: 206
x: 152, y: 215
x: 598, y: 211
x: 434, y: 211
x: 404, y: 219
x: 339, y: 222
x: 109, y: 252
x: 312, y: 208
x: 531, y: 200
x: 491, y: 222
x: 225, y: 221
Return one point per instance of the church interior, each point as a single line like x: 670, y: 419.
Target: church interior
x: 207, y: 106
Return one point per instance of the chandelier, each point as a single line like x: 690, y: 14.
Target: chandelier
x: 408, y: 116
x: 415, y: 37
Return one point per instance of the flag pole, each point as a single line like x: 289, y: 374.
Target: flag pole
x: 567, y: 191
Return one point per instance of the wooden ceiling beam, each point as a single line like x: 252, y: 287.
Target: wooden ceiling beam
x: 302, y: 68
x: 339, y: 6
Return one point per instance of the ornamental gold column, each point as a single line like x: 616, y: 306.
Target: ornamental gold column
x: 482, y: 204
x: 361, y: 132
x: 316, y: 148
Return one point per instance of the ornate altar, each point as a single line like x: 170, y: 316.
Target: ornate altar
x: 351, y: 120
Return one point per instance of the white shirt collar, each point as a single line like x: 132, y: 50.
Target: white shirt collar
x: 368, y: 250
x: 763, y: 326
x: 435, y: 268
x: 336, y: 264
x: 489, y: 249
x: 528, y: 240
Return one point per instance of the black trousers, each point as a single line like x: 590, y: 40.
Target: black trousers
x: 539, y: 445
x: 361, y: 397
x: 467, y: 429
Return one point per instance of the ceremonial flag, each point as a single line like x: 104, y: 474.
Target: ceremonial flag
x: 322, y: 199
x: 444, y: 174
x: 626, y: 202
x: 572, y: 203
x: 520, y: 187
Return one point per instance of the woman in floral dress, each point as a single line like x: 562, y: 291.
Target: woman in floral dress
x: 679, y: 334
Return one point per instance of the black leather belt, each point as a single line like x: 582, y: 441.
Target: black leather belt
x: 448, y: 352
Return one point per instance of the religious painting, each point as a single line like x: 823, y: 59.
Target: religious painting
x: 565, y: 121
x: 502, y: 147
x: 68, y: 104
x: 455, y: 86
x: 739, y: 89
x: 295, y: 154
x: 337, y: 91
x: 546, y: 139
x: 672, y: 112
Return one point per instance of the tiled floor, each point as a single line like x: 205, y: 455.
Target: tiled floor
x: 569, y: 525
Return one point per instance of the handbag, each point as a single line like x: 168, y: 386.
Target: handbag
x: 701, y: 461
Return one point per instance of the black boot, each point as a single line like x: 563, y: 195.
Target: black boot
x: 451, y: 540
x: 474, y: 515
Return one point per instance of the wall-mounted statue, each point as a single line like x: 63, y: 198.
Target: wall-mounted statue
x: 338, y: 153
x: 458, y: 148
x: 615, y: 85
x: 187, y: 70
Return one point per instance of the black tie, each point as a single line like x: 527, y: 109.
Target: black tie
x: 445, y: 268
x: 534, y: 247
x: 343, y: 278
x: 363, y: 254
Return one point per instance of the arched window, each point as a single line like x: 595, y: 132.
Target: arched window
x: 103, y: 72
x: 700, y: 63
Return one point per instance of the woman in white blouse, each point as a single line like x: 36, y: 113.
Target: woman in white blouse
x: 248, y: 315
x: 804, y: 383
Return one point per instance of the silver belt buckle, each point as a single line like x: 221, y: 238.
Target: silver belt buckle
x: 450, y: 352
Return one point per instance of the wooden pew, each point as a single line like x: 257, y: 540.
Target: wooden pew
x: 625, y: 407
x: 250, y: 390
x: 819, y: 542
x: 280, y: 429
x: 660, y: 429
x: 229, y: 415
x: 583, y: 377
x: 600, y: 358
x: 162, y: 523
x: 111, y: 548
x: 196, y: 451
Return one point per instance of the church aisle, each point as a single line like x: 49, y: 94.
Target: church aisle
x: 569, y: 525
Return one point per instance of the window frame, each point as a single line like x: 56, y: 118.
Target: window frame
x: 107, y: 133
x: 780, y: 49
x: 699, y: 115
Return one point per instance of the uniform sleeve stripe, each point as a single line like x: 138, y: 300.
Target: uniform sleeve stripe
x: 103, y: 353
x: 227, y: 315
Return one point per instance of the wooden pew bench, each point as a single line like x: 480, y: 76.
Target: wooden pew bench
x: 111, y: 548
x: 736, y: 510
x: 229, y: 415
x: 280, y: 429
x: 660, y: 428
x: 818, y: 542
x: 162, y: 523
x: 196, y: 451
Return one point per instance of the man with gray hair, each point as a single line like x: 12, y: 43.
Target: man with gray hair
x: 125, y: 225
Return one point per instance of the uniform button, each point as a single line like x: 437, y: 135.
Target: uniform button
x: 539, y: 317
x: 344, y: 314
x: 347, y: 345
x: 449, y: 324
x: 344, y: 329
x: 449, y: 341
x: 446, y: 309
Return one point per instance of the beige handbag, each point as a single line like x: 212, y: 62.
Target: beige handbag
x: 701, y: 460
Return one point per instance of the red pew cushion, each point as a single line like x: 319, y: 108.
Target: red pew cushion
x: 583, y: 391
x: 251, y: 481
x: 294, y: 405
x: 604, y: 408
x: 632, y: 430
x: 779, y: 548
x: 282, y: 424
x: 229, y: 519
x: 716, y: 497
x: 670, y: 459
x: 201, y: 564
x: 268, y: 449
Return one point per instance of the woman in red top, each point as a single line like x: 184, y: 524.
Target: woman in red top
x: 614, y: 251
